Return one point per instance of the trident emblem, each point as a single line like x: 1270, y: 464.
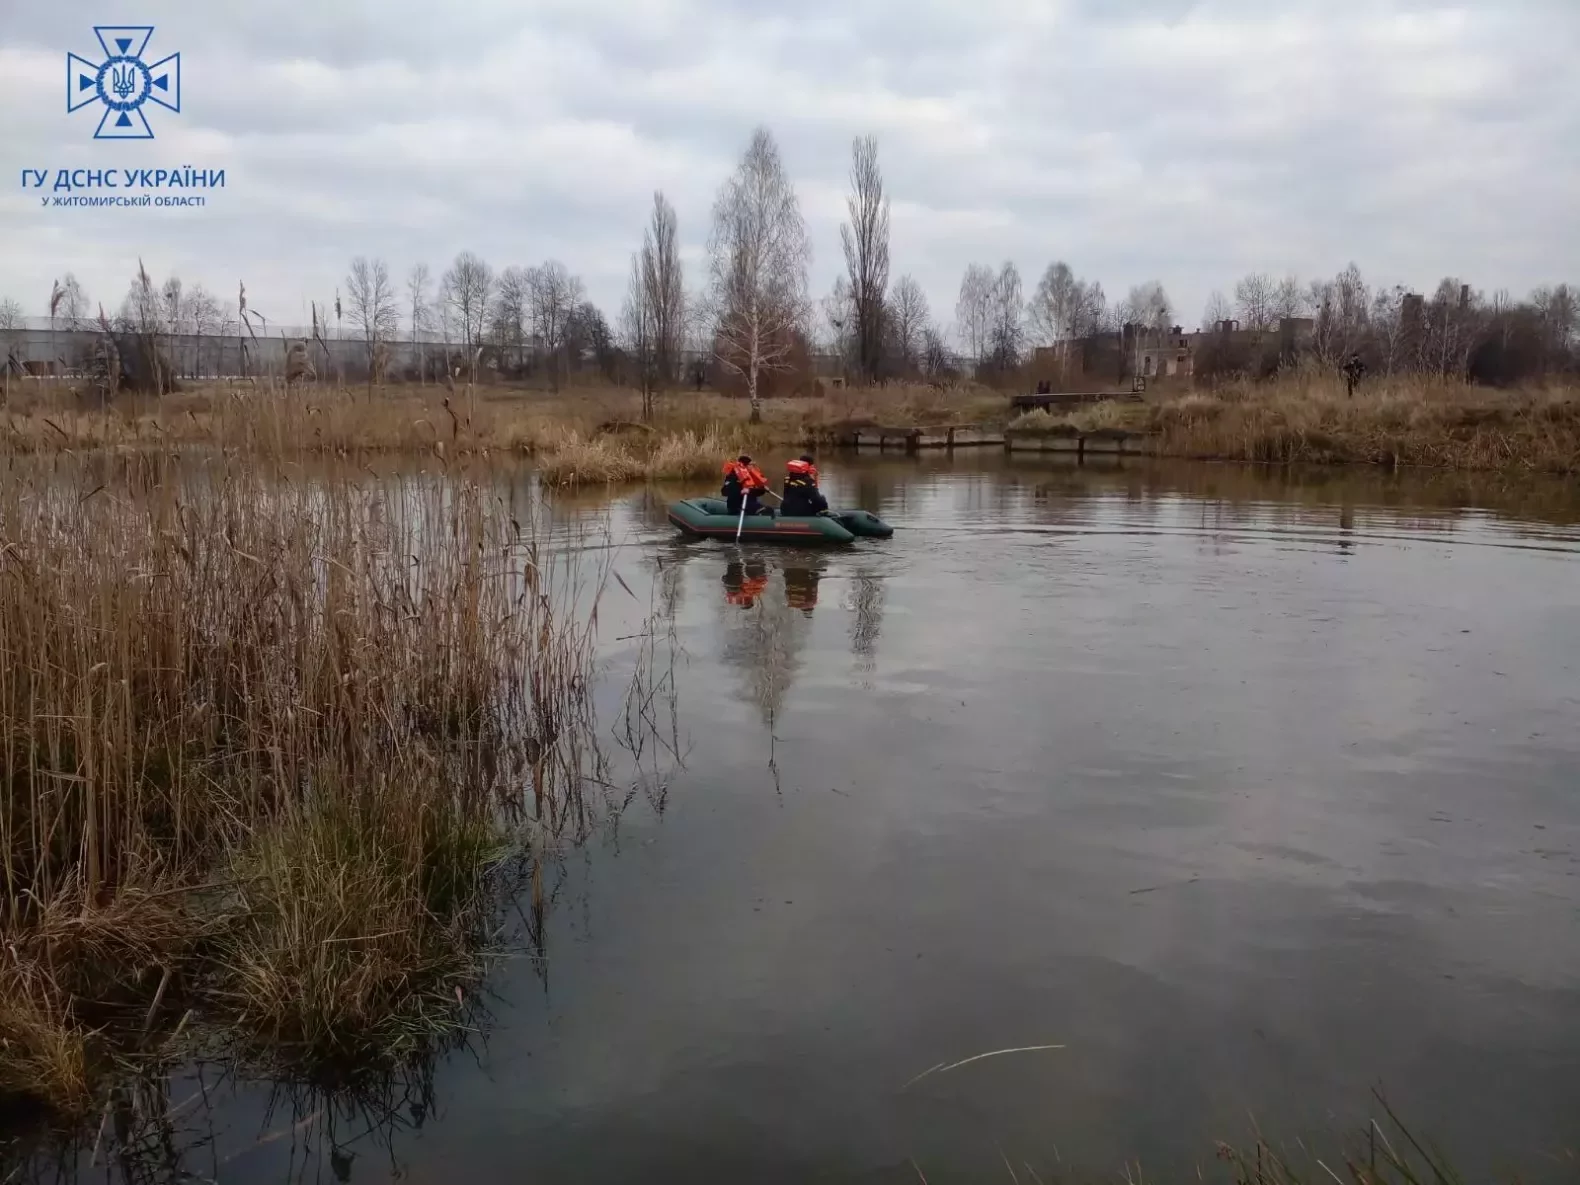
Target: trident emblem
x: 123, y: 82
x: 124, y: 85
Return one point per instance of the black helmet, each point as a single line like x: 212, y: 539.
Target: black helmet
x: 807, y: 457
x: 744, y: 459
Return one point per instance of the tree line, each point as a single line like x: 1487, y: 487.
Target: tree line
x: 750, y: 314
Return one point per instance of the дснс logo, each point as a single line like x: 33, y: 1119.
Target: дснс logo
x: 123, y: 82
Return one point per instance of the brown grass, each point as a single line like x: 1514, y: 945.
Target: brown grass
x: 1309, y: 418
x: 272, y: 421
x: 265, y: 744
x: 590, y: 437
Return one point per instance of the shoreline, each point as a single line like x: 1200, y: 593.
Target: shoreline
x: 596, y: 436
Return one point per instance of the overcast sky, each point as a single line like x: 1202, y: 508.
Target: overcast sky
x: 1136, y: 139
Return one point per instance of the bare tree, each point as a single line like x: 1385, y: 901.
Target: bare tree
x: 758, y: 259
x: 1148, y: 305
x: 373, y: 303
x: 144, y: 314
x: 639, y: 326
x: 1055, y: 311
x: 1341, y: 307
x: 552, y: 294
x: 1218, y: 310
x: 417, y: 281
x: 974, y: 309
x: 1051, y: 310
x: 74, y: 308
x: 1289, y: 300
x: 908, y: 321
x: 467, y: 286
x: 865, y: 239
x: 1453, y: 323
x: 1091, y: 309
x: 11, y: 323
x: 513, y: 312
x: 1254, y: 296
x: 664, y: 276
x: 1006, y: 312
x: 1388, y: 327
x: 937, y: 363
x: 1558, y: 314
x: 205, y: 317
x: 589, y: 340
x: 839, y: 314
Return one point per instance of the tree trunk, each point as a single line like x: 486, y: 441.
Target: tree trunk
x: 752, y: 394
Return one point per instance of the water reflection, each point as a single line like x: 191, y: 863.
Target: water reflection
x: 801, y: 588
x: 203, y: 1123
x: 1222, y: 777
x: 766, y: 624
x: 744, y: 582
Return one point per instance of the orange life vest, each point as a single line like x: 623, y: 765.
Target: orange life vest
x: 800, y: 468
x: 750, y: 477
x: 746, y: 596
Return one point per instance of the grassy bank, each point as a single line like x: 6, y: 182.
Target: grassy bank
x: 268, y: 748
x: 1310, y: 419
x: 594, y: 435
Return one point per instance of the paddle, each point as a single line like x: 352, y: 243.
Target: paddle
x: 742, y: 522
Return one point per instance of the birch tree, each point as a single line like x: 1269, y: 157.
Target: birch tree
x: 467, y: 287
x: 865, y: 239
x: 1006, y: 310
x: 1051, y: 311
x: 372, y: 297
x: 758, y: 256
x: 974, y: 309
x: 1055, y: 310
x: 417, y: 281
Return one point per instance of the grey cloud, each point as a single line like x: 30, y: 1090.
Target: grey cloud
x: 1189, y: 141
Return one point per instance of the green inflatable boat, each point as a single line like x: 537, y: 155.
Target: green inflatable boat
x: 709, y: 518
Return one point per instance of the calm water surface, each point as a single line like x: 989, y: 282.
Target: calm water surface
x: 1252, y: 792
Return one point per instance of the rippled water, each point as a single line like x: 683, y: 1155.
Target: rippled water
x: 1249, y: 791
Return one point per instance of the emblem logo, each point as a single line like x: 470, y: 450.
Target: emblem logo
x: 123, y: 82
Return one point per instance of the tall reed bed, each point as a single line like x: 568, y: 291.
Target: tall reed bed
x: 267, y: 748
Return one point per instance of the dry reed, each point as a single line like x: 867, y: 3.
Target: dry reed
x: 582, y: 435
x: 265, y: 746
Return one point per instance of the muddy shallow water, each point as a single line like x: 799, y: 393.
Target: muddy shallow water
x: 1249, y: 791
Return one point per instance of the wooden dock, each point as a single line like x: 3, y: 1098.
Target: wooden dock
x: 910, y: 440
x: 1106, y: 441
x: 1059, y: 440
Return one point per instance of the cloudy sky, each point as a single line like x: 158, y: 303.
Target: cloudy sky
x: 1184, y: 141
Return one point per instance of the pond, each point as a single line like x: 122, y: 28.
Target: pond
x: 1215, y: 795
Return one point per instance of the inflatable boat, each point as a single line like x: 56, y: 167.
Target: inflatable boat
x: 710, y: 518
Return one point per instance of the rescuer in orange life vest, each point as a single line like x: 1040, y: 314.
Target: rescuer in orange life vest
x: 743, y: 479
x: 802, y: 497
